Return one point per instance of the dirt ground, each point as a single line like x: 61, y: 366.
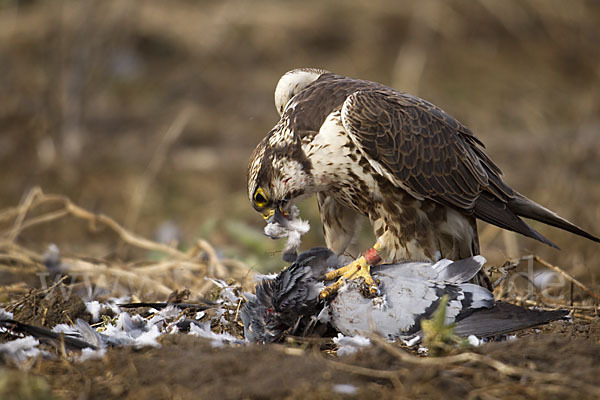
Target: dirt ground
x: 135, y: 119
x: 558, y: 360
x: 187, y: 367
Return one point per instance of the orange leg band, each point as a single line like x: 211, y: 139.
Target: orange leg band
x: 372, y: 256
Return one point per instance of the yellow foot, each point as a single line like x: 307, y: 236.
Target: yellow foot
x: 356, y: 270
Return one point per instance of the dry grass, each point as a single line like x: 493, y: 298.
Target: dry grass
x: 141, y: 278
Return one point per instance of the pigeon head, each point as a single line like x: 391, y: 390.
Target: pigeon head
x: 288, y: 303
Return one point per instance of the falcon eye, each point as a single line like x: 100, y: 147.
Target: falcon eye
x: 260, y: 199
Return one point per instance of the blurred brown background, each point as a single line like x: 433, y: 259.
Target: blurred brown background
x: 148, y: 110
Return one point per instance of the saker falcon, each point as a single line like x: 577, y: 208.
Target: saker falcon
x: 421, y: 177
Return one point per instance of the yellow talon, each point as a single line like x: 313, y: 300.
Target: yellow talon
x: 346, y: 271
x: 331, y: 289
x: 357, y: 269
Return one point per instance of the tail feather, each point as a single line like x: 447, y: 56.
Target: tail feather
x: 504, y: 318
x: 460, y: 271
x: 491, y: 209
x: 524, y: 207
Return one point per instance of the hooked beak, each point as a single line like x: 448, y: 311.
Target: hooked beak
x: 276, y: 216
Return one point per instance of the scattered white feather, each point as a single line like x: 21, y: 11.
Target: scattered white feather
x: 412, y: 341
x: 112, y: 306
x: 345, y: 388
x: 217, y: 339
x: 89, y: 334
x: 168, y: 313
x: 293, y: 230
x: 324, y: 315
x: 148, y: 338
x: 131, y: 330
x: 219, y: 282
x: 138, y: 339
x: 20, y: 349
x: 380, y: 302
x: 94, y: 308
x: 172, y: 329
x: 474, y: 341
x: 5, y: 314
x: 227, y: 293
x: 90, y: 354
x: 350, y: 344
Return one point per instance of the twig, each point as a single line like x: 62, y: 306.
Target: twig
x: 32, y: 293
x: 36, y: 198
x: 499, y: 366
x: 69, y: 208
x: 554, y: 306
x: 458, y: 358
x: 166, y: 266
x: 22, y: 212
x: 567, y: 276
x: 504, y: 270
x: 161, y: 277
x: 369, y: 372
x: 586, y: 317
x: 237, y: 310
x: 75, y: 265
x: 44, y: 219
x: 215, y: 267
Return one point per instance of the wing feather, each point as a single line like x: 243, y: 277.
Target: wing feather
x: 424, y: 149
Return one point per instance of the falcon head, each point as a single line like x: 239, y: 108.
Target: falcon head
x: 279, y: 171
x: 278, y: 174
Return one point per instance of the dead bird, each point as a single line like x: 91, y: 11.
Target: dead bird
x: 289, y: 304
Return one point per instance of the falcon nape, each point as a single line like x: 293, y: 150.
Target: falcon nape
x: 421, y: 177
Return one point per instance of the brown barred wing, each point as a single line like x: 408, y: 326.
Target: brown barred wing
x: 419, y: 147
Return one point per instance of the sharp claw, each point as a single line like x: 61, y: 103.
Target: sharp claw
x: 356, y: 270
x: 375, y: 291
x: 331, y: 289
x: 369, y: 290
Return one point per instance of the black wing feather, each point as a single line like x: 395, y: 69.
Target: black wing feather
x: 504, y: 318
